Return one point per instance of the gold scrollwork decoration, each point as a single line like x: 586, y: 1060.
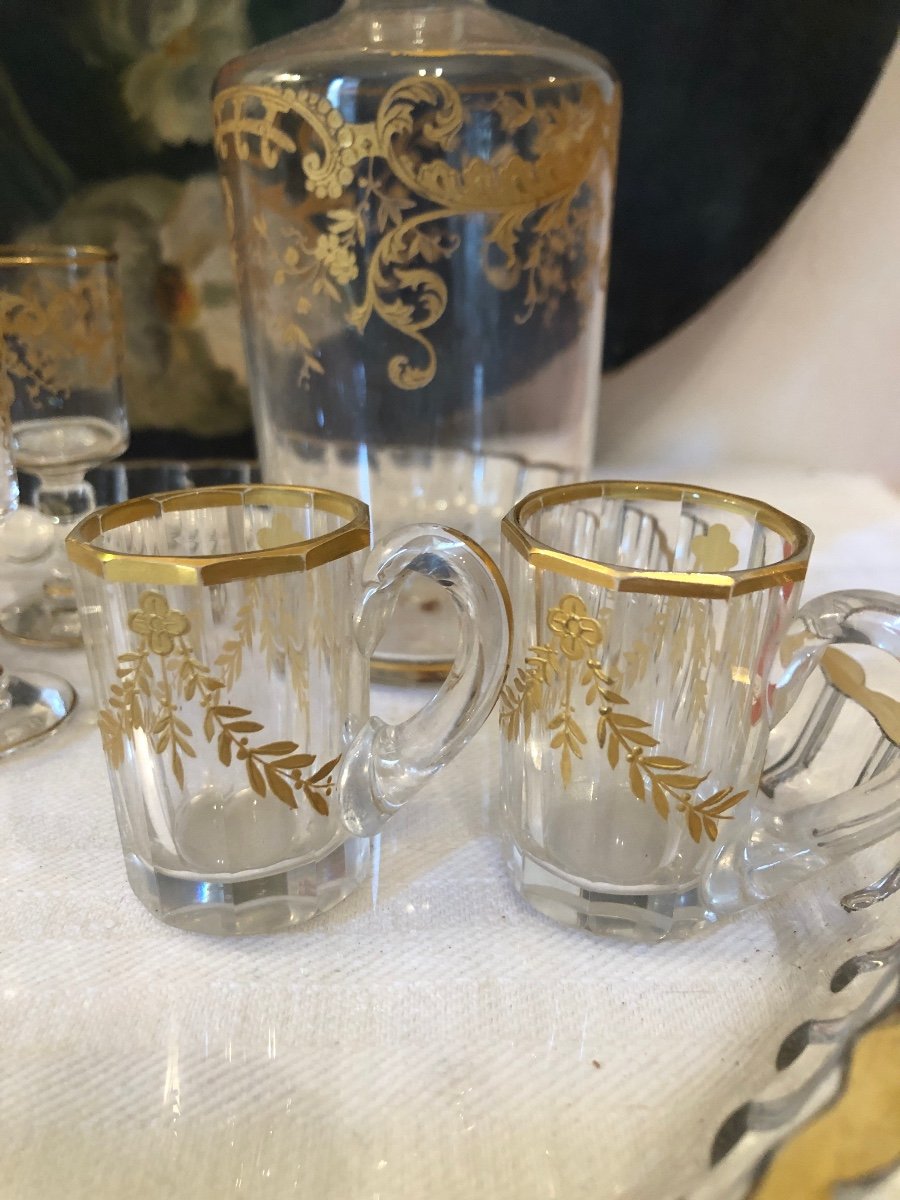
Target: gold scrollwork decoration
x: 380, y: 195
x: 544, y: 685
x: 162, y: 670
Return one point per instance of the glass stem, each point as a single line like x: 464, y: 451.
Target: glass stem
x: 65, y: 499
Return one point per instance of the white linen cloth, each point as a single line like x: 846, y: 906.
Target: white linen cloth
x: 432, y: 1038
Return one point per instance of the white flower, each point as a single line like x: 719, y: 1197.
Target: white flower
x: 174, y: 49
x: 183, y: 363
x: 194, y: 241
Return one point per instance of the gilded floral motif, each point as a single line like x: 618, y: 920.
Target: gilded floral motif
x: 396, y: 183
x: 544, y: 687
x: 577, y: 632
x: 280, y: 533
x: 158, y: 624
x: 714, y: 550
x: 337, y: 258
x: 183, y: 353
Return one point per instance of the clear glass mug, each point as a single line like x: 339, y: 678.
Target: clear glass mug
x: 635, y: 794
x: 229, y: 632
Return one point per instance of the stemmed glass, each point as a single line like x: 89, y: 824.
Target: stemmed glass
x: 34, y: 704
x: 60, y: 341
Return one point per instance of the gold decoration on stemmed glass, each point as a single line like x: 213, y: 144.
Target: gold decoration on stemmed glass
x: 57, y: 336
x: 60, y: 373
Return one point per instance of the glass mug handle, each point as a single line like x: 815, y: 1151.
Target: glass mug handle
x: 788, y: 842
x: 386, y: 764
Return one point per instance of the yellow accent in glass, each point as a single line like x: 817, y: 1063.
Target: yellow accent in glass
x: 714, y: 550
x: 58, y: 332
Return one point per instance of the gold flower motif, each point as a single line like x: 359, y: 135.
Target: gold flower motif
x: 577, y: 631
x: 158, y: 623
x: 714, y: 550
x: 280, y: 533
x: 336, y: 257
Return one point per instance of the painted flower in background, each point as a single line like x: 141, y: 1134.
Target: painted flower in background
x: 195, y: 248
x: 184, y: 366
x: 170, y: 51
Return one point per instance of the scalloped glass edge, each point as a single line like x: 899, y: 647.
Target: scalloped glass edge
x: 811, y: 1070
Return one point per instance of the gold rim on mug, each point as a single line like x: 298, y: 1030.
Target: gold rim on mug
x: 47, y: 255
x: 205, y: 570
x: 702, y: 585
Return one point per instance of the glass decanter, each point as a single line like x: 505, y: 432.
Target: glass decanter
x: 419, y: 197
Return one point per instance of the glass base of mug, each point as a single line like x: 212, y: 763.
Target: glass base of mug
x: 261, y: 904
x: 647, y: 916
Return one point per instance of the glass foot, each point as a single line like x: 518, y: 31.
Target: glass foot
x: 38, y: 621
x: 32, y: 706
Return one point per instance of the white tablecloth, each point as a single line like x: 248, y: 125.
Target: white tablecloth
x: 430, y: 1039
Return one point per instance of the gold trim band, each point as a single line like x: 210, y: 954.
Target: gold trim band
x: 54, y: 256
x: 204, y: 571
x: 694, y: 584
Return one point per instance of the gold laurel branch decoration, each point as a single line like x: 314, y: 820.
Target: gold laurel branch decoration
x: 671, y: 784
x: 272, y: 625
x: 163, y: 669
